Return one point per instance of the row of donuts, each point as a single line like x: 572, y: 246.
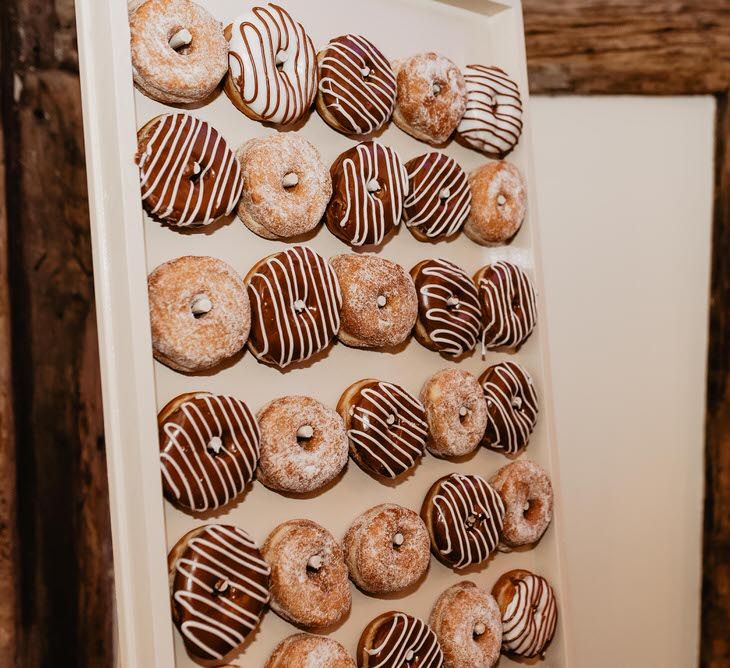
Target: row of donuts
x: 281, y: 189
x: 212, y: 446
x: 291, y: 305
x: 221, y: 583
x: 273, y: 74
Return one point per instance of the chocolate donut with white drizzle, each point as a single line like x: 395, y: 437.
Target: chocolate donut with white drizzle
x: 397, y: 640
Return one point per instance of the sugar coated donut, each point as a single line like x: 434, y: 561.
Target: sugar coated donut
x: 492, y: 122
x: 187, y: 173
x: 512, y: 406
x: 287, y: 186
x: 464, y: 516
x: 379, y: 303
x: 387, y: 549
x: 296, y: 302
x: 357, y: 85
x: 449, y: 314
x: 499, y: 202
x: 309, y: 585
x: 468, y: 625
x: 209, y: 449
x: 386, y: 426
x: 303, y: 445
x: 369, y: 184
x: 272, y: 69
x: 200, y: 313
x: 179, y: 52
x: 508, y: 303
x: 439, y: 198
x: 303, y: 650
x: 431, y: 96
x: 220, y: 587
x: 456, y: 412
x: 529, y: 613
x: 397, y: 640
x: 527, y: 494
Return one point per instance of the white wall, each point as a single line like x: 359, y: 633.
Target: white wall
x: 624, y: 196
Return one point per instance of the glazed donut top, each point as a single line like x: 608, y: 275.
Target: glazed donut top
x: 388, y: 427
x: 272, y: 63
x: 531, y: 617
x: 357, y: 84
x: 405, y: 641
x: 440, y: 198
x: 295, y: 303
x: 209, y: 449
x: 188, y: 174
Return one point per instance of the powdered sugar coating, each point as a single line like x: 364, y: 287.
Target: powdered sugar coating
x: 303, y: 650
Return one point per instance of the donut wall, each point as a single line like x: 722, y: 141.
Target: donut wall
x: 427, y: 378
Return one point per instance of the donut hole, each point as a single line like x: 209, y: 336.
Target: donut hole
x: 366, y: 70
x: 373, y: 188
x: 200, y: 306
x: 305, y: 436
x: 314, y: 564
x: 532, y: 510
x: 215, y: 446
x: 464, y: 415
x: 381, y: 301
x: 290, y: 181
x: 399, y: 540
x: 195, y: 172
x: 180, y: 40
x: 280, y: 60
x: 437, y: 87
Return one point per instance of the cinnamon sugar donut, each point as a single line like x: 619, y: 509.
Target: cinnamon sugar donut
x: 468, y: 624
x: 369, y: 184
x: 456, y: 413
x: 431, y: 96
x: 303, y: 445
x: 357, y: 85
x: 179, y: 52
x: 379, y: 303
x: 309, y: 585
x: 287, y: 186
x: 527, y: 494
x: 303, y: 650
x: 199, y: 311
x: 387, y: 549
x: 499, y: 201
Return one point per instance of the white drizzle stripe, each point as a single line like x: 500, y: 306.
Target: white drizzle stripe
x: 492, y: 122
x: 278, y: 95
x: 460, y: 497
x: 219, y: 553
x: 530, y: 618
x: 414, y: 636
x: 165, y: 168
x: 424, y: 206
x: 503, y: 289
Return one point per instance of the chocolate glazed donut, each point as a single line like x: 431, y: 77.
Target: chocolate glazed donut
x: 397, y: 640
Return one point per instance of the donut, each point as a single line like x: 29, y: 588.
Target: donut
x: 512, y: 407
x: 303, y: 445
x: 386, y: 426
x: 179, y: 51
x: 199, y: 311
x: 439, y: 198
x: 272, y: 70
x: 492, y: 122
x: 309, y: 585
x: 529, y: 613
x: 464, y: 516
x: 527, y: 494
x: 449, y: 314
x: 209, y: 450
x: 357, y: 86
x: 387, y: 549
x: 379, y: 303
x: 508, y: 304
x: 456, y: 413
x: 499, y: 203
x: 188, y: 174
x: 468, y: 625
x: 397, y: 640
x: 303, y: 650
x: 296, y: 302
x: 369, y: 184
x: 287, y: 186
x: 219, y: 589
x: 431, y: 96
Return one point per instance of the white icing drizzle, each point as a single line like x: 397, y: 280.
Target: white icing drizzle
x: 530, y: 618
x: 198, y: 477
x: 492, y: 122
x: 227, y: 554
x: 261, y: 39
x: 414, y: 639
